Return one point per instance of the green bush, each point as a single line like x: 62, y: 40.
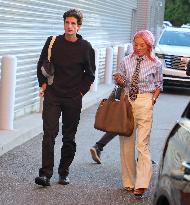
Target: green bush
x: 177, y: 12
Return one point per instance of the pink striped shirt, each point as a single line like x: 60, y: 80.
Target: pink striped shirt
x: 150, y: 76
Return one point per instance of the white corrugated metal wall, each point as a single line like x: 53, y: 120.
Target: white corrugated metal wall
x: 25, y: 25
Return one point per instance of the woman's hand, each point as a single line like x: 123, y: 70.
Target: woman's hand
x: 155, y: 95
x: 119, y: 79
x: 154, y: 100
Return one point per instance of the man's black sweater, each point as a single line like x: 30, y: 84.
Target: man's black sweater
x: 74, y: 66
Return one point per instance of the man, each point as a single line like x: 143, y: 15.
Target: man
x: 98, y: 147
x: 74, y: 62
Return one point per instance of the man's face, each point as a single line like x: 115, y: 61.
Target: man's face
x: 70, y: 26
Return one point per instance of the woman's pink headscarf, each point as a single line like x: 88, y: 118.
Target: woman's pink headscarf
x: 149, y: 39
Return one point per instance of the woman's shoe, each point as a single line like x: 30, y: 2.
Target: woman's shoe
x: 139, y: 192
x: 129, y: 189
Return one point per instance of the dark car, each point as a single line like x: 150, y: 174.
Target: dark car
x: 188, y: 69
x: 173, y: 182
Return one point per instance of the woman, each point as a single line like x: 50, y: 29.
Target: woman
x: 141, y: 73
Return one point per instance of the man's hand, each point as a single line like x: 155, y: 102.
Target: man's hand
x: 42, y: 89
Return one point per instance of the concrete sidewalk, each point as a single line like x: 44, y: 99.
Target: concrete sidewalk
x: 27, y: 127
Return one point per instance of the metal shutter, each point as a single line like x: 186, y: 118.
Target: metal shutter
x: 25, y: 25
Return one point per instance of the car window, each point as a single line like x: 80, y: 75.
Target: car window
x: 175, y: 38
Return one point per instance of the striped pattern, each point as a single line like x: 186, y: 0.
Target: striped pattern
x: 150, y: 75
x: 25, y: 25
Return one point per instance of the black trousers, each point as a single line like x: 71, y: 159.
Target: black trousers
x: 105, y: 139
x: 53, y: 107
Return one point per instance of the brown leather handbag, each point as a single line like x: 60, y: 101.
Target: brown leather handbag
x: 115, y: 116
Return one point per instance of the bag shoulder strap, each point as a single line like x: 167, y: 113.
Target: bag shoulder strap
x: 50, y: 47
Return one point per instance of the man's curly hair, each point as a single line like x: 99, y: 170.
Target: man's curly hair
x: 74, y: 13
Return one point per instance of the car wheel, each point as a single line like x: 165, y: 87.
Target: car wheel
x: 162, y: 201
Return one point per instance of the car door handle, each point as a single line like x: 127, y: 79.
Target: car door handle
x: 186, y: 166
x: 183, y: 174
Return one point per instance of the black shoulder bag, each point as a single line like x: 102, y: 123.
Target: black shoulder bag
x: 47, y: 66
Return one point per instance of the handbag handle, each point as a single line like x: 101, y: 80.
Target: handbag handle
x: 122, y: 96
x: 50, y: 47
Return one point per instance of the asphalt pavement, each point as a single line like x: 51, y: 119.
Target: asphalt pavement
x: 90, y: 183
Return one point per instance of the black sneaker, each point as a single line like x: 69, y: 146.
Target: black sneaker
x: 43, y: 181
x: 63, y: 180
x: 95, y: 153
